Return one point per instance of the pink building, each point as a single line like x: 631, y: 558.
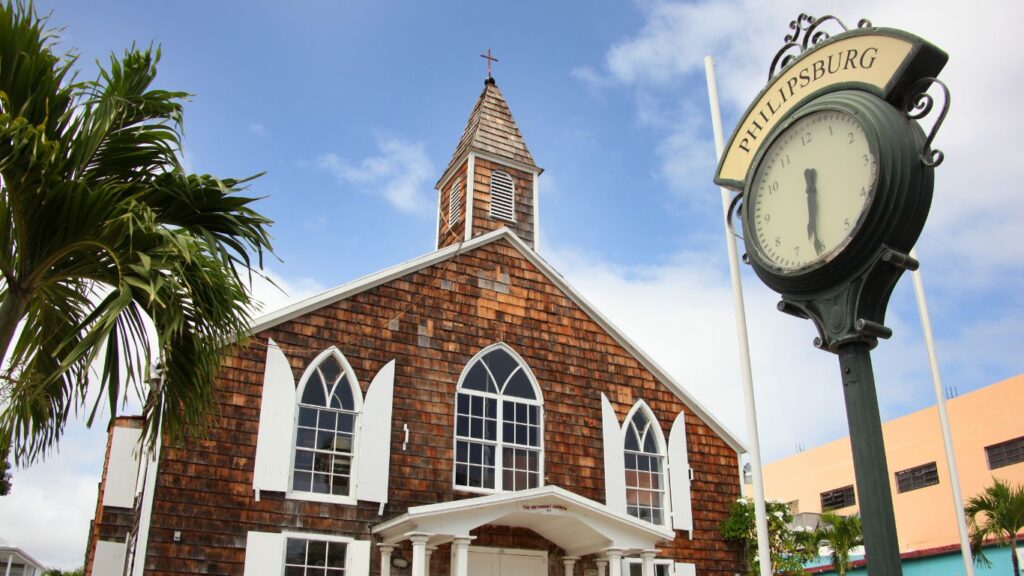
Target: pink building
x: 988, y: 437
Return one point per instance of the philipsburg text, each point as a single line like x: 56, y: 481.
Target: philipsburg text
x: 809, y: 73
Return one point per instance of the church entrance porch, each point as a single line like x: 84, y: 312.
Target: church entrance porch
x: 579, y: 526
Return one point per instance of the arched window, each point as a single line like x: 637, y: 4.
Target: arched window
x: 499, y: 416
x: 503, y: 193
x: 329, y: 404
x: 645, y: 466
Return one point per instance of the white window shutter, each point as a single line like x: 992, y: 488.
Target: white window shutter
x: 264, y: 554
x: 679, y: 476
x: 614, y: 458
x: 277, y: 417
x: 357, y: 558
x: 684, y: 569
x: 108, y: 557
x: 374, y: 438
x: 122, y: 467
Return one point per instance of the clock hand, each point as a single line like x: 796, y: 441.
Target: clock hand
x: 810, y: 175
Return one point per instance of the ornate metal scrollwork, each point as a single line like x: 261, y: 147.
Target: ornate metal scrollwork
x: 734, y: 211
x: 917, y: 104
x: 805, y: 34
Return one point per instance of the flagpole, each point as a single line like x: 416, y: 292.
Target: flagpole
x: 760, y: 515
x: 947, y: 437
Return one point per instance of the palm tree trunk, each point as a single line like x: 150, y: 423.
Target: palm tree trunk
x: 1013, y: 555
x: 12, y: 310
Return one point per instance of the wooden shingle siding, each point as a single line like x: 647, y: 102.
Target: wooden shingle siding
x: 204, y: 488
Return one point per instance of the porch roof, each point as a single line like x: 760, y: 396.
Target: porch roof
x: 578, y: 525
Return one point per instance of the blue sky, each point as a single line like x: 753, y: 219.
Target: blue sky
x: 353, y: 108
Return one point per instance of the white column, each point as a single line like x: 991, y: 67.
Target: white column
x: 419, y: 554
x: 385, y: 559
x: 648, y: 562
x: 569, y: 562
x: 10, y: 559
x: 430, y: 553
x: 460, y: 565
x: 602, y: 565
x: 614, y: 561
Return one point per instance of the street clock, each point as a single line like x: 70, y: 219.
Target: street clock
x: 835, y: 179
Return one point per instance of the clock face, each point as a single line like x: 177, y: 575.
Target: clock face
x: 811, y: 191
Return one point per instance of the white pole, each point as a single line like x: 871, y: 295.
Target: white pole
x: 947, y: 437
x: 741, y: 335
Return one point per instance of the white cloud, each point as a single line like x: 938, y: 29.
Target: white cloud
x: 400, y: 173
x: 48, y: 511
x: 258, y: 129
x: 276, y: 291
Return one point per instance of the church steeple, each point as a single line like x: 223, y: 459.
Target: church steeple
x: 491, y: 180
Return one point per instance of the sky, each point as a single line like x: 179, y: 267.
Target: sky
x: 352, y: 109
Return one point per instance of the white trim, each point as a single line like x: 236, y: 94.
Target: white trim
x: 536, y: 211
x: 499, y: 443
x: 470, y: 192
x: 388, y: 274
x: 357, y: 403
x: 439, y: 219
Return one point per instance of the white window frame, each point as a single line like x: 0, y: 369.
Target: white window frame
x: 659, y: 439
x: 499, y: 443
x: 511, y: 200
x: 357, y: 404
x: 628, y: 562
x: 347, y: 541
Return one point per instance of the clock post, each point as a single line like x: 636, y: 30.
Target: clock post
x: 835, y: 177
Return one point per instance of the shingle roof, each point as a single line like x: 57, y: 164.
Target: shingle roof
x: 491, y: 129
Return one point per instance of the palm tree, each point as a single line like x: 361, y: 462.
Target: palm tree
x: 842, y: 534
x: 1002, y: 507
x: 105, y: 240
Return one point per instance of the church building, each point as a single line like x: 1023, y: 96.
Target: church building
x: 463, y: 413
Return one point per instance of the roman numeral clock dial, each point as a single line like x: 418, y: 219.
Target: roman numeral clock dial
x: 811, y: 191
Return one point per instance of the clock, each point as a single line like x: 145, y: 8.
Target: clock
x: 811, y: 191
x: 837, y: 183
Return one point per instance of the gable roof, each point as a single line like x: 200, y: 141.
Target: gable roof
x: 491, y: 129
x: 388, y: 274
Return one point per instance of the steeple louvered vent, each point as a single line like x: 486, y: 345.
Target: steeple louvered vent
x: 454, y: 203
x: 502, y: 196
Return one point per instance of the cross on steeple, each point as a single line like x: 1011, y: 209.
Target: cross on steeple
x: 489, y: 60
